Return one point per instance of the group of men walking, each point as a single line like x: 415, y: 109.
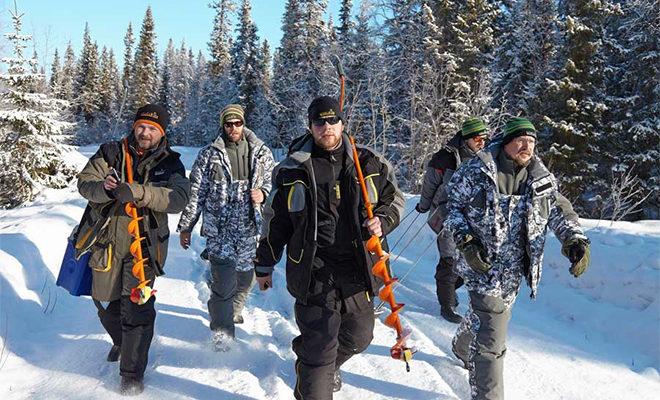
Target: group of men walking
x: 490, y: 207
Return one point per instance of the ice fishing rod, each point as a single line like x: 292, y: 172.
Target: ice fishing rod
x: 399, y: 350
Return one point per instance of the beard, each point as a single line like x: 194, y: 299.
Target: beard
x: 522, y: 159
x: 329, y: 142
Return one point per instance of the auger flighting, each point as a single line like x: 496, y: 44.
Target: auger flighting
x: 399, y: 350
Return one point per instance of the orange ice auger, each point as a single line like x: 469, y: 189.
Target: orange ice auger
x: 399, y: 351
x: 141, y: 293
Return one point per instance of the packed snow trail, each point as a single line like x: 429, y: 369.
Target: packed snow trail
x: 593, y: 338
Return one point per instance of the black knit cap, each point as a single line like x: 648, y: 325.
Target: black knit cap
x: 324, y: 107
x: 153, y: 114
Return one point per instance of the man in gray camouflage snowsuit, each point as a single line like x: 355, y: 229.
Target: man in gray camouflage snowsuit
x: 501, y: 204
x: 230, y: 180
x: 462, y: 147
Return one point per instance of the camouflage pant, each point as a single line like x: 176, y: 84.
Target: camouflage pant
x: 480, y: 342
x: 237, y: 231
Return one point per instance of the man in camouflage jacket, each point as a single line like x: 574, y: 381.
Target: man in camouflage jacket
x: 159, y: 187
x: 501, y: 204
x: 462, y: 147
x: 230, y: 180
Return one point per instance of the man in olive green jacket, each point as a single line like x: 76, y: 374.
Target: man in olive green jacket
x: 159, y: 187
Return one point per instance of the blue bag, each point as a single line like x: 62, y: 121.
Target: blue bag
x: 75, y: 275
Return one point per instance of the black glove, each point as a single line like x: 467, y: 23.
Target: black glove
x: 475, y: 254
x: 578, y: 253
x: 418, y: 208
x: 127, y: 193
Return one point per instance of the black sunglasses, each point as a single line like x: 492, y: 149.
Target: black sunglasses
x: 319, y: 122
x: 236, y: 124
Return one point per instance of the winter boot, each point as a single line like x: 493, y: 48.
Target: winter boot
x: 131, y: 386
x: 450, y: 315
x: 336, y: 382
x: 114, y: 353
x: 221, y: 341
x: 238, y: 319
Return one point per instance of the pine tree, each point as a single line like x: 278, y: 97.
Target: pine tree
x: 166, y: 71
x: 574, y: 106
x: 30, y: 129
x: 219, y: 88
x: 145, y: 70
x: 55, y: 72
x: 346, y: 24
x: 633, y: 99
x: 525, y: 56
x: 126, y: 98
x: 87, y: 83
x: 67, y: 77
x: 263, y: 119
x: 290, y: 78
x: 245, y: 62
x: 110, y: 92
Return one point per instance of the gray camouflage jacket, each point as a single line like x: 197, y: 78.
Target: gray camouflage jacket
x: 473, y: 209
x: 211, y: 180
x: 438, y: 173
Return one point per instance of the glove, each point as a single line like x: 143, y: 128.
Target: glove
x: 578, y: 253
x: 128, y: 192
x: 475, y: 255
x: 418, y: 208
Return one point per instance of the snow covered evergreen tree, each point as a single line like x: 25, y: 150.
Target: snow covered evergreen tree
x: 31, y: 130
x: 574, y: 106
x: 290, y: 79
x: 126, y: 98
x: 219, y: 89
x: 55, y: 75
x: 145, y: 69
x: 633, y: 99
x: 67, y: 76
x: 109, y: 92
x: 87, y: 84
x: 525, y: 56
x: 244, y: 65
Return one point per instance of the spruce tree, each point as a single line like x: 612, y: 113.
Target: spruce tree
x: 55, y: 76
x: 30, y: 129
x: 574, y: 106
x: 87, y: 84
x: 67, y: 77
x: 145, y: 70
x: 245, y: 62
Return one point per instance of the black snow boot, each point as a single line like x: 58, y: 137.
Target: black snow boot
x: 336, y: 382
x: 131, y: 386
x: 113, y: 354
x: 450, y: 315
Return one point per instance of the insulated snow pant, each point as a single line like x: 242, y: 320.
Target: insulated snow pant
x: 222, y: 282
x: 332, y: 330
x: 244, y: 282
x: 446, y: 278
x: 130, y: 326
x: 480, y: 342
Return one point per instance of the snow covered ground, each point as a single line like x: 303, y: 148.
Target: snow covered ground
x: 593, y: 338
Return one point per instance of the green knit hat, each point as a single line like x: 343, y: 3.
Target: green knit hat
x: 518, y: 127
x: 473, y: 127
x: 232, y: 111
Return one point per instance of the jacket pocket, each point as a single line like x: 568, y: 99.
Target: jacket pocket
x: 102, y: 258
x: 296, y: 195
x: 160, y: 249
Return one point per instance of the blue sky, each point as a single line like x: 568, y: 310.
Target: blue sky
x: 54, y: 22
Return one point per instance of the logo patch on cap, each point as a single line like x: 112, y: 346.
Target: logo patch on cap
x: 327, y: 114
x: 149, y: 115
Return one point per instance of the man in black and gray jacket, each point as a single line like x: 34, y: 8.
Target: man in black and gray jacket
x: 462, y: 147
x: 316, y: 211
